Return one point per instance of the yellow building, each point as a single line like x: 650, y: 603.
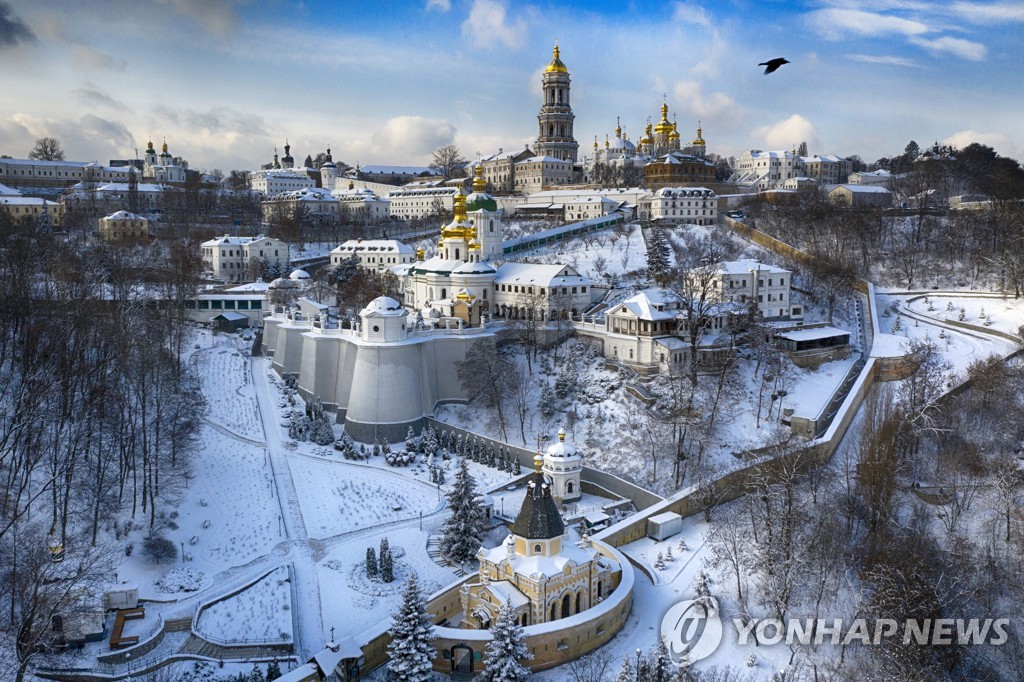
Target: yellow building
x: 538, y: 569
x: 23, y: 209
x: 122, y: 226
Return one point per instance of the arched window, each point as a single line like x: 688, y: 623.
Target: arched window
x: 599, y: 586
x: 579, y: 601
x: 566, y: 605
x: 443, y: 292
x: 554, y: 611
x: 551, y: 130
x: 456, y: 254
x: 568, y: 487
x: 536, y: 549
x: 559, y: 95
x: 522, y: 621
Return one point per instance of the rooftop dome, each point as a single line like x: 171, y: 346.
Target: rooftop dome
x: 469, y: 268
x: 383, y: 305
x: 556, y: 65
x: 562, y: 449
x: 298, y: 274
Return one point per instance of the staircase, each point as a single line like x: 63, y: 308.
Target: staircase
x: 434, y: 552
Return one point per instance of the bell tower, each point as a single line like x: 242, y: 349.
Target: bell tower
x: 555, y: 119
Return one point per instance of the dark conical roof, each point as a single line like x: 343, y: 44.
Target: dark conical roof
x: 538, y: 518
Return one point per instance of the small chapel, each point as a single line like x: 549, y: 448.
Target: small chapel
x: 539, y: 568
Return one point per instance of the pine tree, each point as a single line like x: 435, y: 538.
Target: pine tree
x: 626, y: 674
x: 516, y: 467
x: 668, y: 555
x: 411, y: 650
x: 463, y: 530
x: 506, y: 649
x: 256, y: 675
x: 371, y: 563
x: 273, y: 671
x: 659, y: 563
x: 662, y: 663
x: 410, y: 441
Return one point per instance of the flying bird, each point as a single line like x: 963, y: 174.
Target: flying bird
x: 773, y: 64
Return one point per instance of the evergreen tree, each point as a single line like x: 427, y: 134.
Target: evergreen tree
x: 411, y: 649
x: 506, y: 650
x: 256, y: 675
x: 410, y: 441
x: 516, y: 467
x: 668, y: 555
x: 463, y: 530
x: 662, y: 668
x: 626, y: 673
x: 659, y: 563
x: 387, y: 566
x: 273, y: 671
x: 371, y: 563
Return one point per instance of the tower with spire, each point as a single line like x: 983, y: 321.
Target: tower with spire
x: 555, y: 120
x: 287, y: 161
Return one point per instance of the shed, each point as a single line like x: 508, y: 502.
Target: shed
x: 229, y: 321
x: 596, y: 520
x: 664, y: 525
x: 121, y: 596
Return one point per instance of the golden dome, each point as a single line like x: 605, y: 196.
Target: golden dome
x: 459, y: 227
x: 663, y: 127
x: 479, y: 183
x: 618, y: 127
x: 648, y: 137
x: 595, y: 143
x: 699, y: 142
x: 556, y: 65
x: 420, y: 254
x: 465, y: 295
x: 165, y: 147
x: 674, y: 135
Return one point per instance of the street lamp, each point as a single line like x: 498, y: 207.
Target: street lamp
x: 638, y: 652
x: 128, y: 658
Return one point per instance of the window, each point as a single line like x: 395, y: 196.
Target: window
x: 536, y: 549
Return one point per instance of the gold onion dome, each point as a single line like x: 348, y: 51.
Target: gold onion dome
x: 699, y: 142
x: 674, y: 135
x: 465, y: 295
x: 648, y: 137
x: 459, y: 227
x: 479, y: 183
x: 663, y: 125
x: 556, y: 65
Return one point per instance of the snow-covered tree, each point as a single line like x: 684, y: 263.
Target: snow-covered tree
x: 371, y: 563
x: 387, y: 565
x: 626, y: 673
x: 273, y: 671
x: 668, y: 555
x: 463, y: 530
x: 411, y: 650
x: 506, y: 650
x: 659, y: 563
x: 410, y: 441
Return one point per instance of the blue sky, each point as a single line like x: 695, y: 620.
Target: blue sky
x: 389, y: 81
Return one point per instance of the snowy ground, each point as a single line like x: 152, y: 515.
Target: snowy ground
x: 261, y: 612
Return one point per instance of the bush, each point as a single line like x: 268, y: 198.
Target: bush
x: 159, y: 550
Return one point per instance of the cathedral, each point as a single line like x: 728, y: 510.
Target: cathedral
x: 161, y: 168
x: 538, y: 569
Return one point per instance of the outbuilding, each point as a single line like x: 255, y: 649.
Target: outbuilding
x: 664, y: 525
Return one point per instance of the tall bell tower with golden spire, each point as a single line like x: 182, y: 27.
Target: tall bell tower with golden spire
x: 555, y: 119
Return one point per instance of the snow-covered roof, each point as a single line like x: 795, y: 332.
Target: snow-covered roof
x: 540, y: 565
x: 383, y: 306
x: 372, y: 246
x: 561, y: 449
x: 683, y: 192
x: 231, y: 316
x: 443, y: 266
x: 507, y: 592
x: 743, y: 267
x: 251, y: 287
x: 6, y: 191
x: 470, y: 268
x: 651, y: 304
x: 422, y: 192
x: 309, y: 194
x: 142, y: 187
x: 543, y: 159
x: 672, y: 342
x: 315, y: 304
x: 123, y: 215
x: 865, y: 189
x: 880, y: 173
x: 813, y: 333
x: 391, y: 170
x: 540, y: 274
x: 25, y: 201
x: 231, y: 240
x: 298, y: 274
x: 665, y: 517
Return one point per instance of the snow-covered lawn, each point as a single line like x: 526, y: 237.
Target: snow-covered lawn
x: 351, y: 603
x: 262, y: 612
x: 337, y: 496
x: 224, y: 370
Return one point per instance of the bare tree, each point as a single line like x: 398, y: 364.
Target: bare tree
x: 47, y: 149
x: 448, y: 162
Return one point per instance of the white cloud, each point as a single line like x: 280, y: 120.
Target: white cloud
x: 90, y: 59
x: 688, y: 13
x: 835, y: 24
x: 488, y: 24
x: 90, y: 138
x: 408, y: 137
x: 989, y: 13
x: 439, y: 5
x: 718, y: 107
x: 217, y: 17
x: 956, y: 46
x: 1001, y: 143
x: 883, y: 59
x: 788, y: 134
